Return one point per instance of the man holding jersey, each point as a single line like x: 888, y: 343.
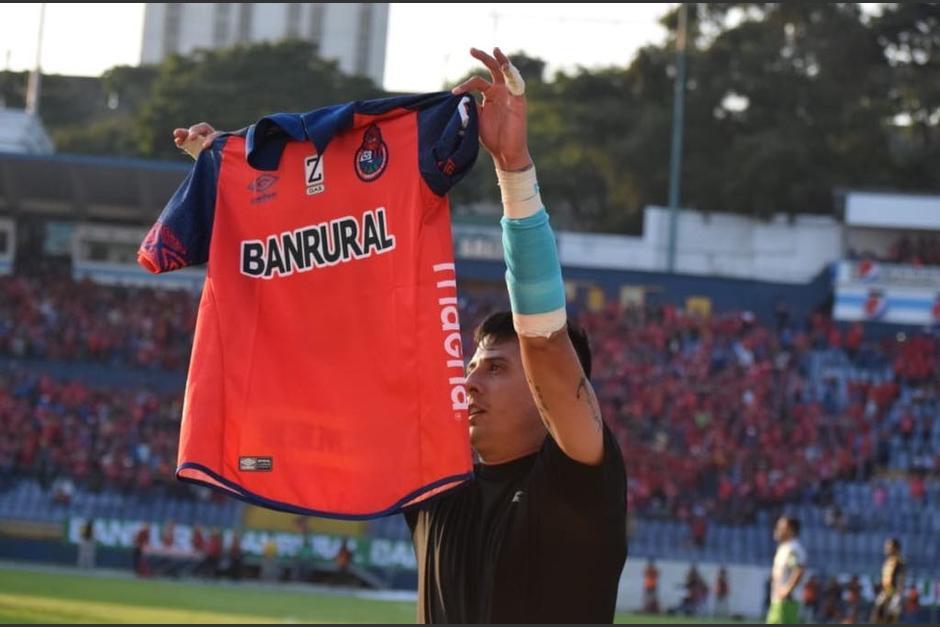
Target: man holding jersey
x: 539, y: 533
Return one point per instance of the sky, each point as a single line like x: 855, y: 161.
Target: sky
x: 86, y: 39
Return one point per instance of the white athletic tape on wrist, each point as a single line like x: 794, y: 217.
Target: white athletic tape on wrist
x: 514, y: 81
x: 520, y: 192
x: 540, y: 325
x: 463, y: 110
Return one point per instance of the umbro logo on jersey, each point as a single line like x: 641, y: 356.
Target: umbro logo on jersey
x: 263, y: 187
x: 255, y: 464
x: 518, y: 496
x: 313, y: 174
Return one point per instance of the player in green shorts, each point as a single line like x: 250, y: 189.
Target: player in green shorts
x: 788, y: 569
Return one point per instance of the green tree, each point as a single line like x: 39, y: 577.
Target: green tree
x: 785, y: 103
x: 112, y: 131
x: 235, y: 86
x: 909, y: 34
x: 783, y: 106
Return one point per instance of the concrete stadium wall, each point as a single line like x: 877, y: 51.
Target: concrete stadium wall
x: 715, y: 245
x: 718, y: 245
x: 747, y: 586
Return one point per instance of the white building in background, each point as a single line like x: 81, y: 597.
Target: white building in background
x: 779, y: 250
x: 352, y: 33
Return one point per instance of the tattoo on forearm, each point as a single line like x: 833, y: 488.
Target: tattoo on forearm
x: 583, y: 392
x: 584, y: 386
x: 543, y: 407
x: 539, y: 398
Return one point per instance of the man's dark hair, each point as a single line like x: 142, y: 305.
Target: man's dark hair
x: 895, y: 544
x: 793, y: 523
x: 498, y: 327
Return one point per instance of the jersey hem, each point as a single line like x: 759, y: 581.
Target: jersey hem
x: 226, y: 486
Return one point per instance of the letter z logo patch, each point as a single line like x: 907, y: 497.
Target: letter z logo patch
x: 313, y: 174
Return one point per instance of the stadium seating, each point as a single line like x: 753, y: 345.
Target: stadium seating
x: 27, y: 500
x: 708, y: 412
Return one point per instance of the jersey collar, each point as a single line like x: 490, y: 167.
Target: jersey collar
x: 265, y: 140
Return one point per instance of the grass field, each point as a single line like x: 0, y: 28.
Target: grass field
x: 44, y: 596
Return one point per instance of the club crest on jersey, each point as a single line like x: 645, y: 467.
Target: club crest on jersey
x: 372, y: 156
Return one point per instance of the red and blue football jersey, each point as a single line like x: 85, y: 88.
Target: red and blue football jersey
x: 327, y: 372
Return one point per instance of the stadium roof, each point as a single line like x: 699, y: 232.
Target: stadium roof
x: 87, y: 188
x: 21, y: 132
x: 892, y: 210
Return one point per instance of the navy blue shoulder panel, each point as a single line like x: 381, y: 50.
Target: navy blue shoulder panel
x: 322, y: 124
x: 410, y: 102
x: 182, y: 234
x: 265, y: 140
x: 447, y: 141
x: 195, y: 215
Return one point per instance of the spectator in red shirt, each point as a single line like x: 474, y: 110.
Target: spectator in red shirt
x: 210, y: 564
x: 141, y: 541
x: 651, y: 588
x: 199, y: 542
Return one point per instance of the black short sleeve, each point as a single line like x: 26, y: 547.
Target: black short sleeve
x: 601, y: 486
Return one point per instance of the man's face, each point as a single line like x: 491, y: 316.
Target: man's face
x: 504, y: 421
x: 889, y: 548
x: 782, y: 530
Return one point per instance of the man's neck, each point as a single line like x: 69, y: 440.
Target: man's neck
x: 496, y: 459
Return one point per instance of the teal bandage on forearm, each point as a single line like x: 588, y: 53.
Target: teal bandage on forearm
x: 533, y: 273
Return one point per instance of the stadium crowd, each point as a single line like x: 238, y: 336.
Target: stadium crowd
x: 68, y: 435
x: 918, y: 251
x: 708, y: 410
x: 51, y: 316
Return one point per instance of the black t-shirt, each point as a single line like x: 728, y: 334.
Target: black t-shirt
x: 539, y: 539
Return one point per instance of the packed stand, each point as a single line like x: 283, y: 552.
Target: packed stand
x: 718, y: 416
x: 914, y: 250
x: 55, y: 318
x: 70, y: 436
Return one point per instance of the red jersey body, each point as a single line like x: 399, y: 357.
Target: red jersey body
x: 327, y: 374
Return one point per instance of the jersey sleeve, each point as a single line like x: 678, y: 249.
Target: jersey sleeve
x: 181, y: 235
x: 448, y: 142
x: 797, y: 556
x: 601, y: 487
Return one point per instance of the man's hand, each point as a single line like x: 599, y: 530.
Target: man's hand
x: 502, y: 115
x: 562, y: 393
x: 194, y: 139
x: 792, y: 583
